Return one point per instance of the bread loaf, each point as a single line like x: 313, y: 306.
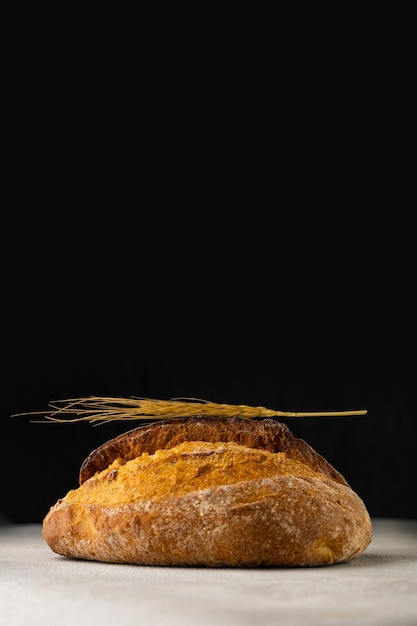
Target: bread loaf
x: 210, y: 492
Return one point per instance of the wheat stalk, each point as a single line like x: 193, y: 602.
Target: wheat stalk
x: 106, y: 409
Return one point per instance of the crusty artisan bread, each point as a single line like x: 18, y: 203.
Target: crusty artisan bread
x: 206, y: 491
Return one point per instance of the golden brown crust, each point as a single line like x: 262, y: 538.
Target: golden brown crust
x: 298, y: 512
x: 267, y: 434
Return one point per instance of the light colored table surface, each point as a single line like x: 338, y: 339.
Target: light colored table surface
x: 37, y: 587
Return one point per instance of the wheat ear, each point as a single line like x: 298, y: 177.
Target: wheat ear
x: 106, y: 409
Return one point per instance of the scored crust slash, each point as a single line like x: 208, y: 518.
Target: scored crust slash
x: 208, y: 485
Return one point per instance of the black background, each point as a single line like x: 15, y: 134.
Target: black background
x: 237, y: 228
